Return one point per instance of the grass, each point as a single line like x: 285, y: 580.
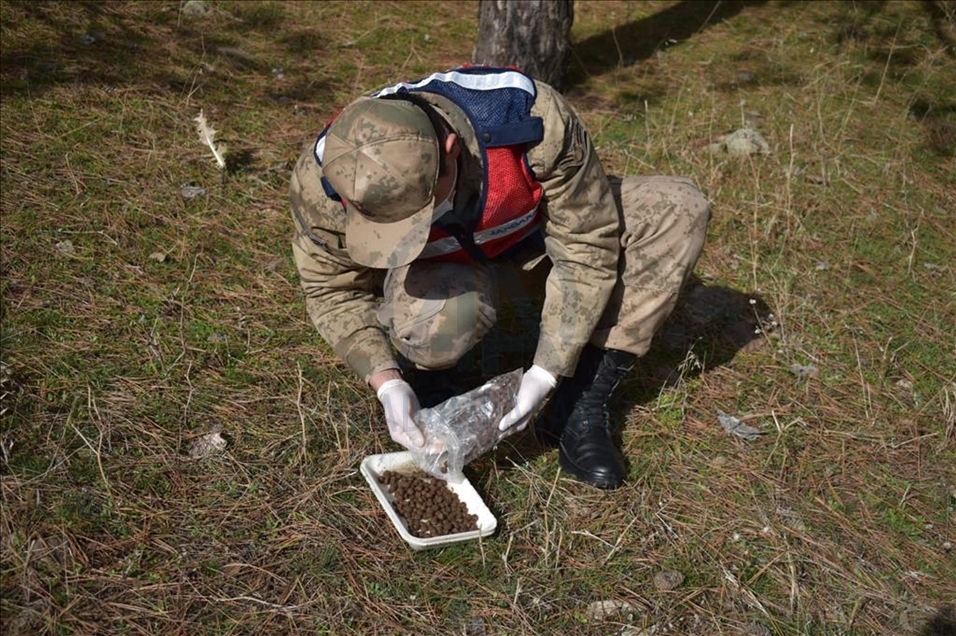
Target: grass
x: 840, y: 519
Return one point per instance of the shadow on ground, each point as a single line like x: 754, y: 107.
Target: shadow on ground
x: 709, y: 327
x: 638, y: 40
x: 943, y: 623
x: 154, y: 45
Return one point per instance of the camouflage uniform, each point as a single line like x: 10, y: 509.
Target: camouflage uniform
x: 619, y: 251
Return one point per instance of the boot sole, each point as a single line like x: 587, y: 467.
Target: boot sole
x: 602, y: 482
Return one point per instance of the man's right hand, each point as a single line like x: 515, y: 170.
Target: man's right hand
x: 536, y: 385
x: 401, y: 404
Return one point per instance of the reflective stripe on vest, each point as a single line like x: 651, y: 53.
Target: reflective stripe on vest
x: 488, y: 82
x: 516, y: 230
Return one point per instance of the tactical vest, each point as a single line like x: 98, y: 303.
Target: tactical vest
x: 498, y: 103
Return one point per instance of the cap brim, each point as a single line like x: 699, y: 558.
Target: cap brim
x: 386, y: 245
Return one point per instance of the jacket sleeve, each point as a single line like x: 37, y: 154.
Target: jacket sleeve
x: 581, y: 228
x: 339, y: 293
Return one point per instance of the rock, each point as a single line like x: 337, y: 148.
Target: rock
x: 195, y: 8
x: 741, y: 143
x: 476, y: 627
x: 191, y: 192
x: 805, y: 371
x: 668, y: 580
x: 206, y: 445
x: 603, y: 610
x: 159, y: 257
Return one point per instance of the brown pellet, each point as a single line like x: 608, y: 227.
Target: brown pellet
x: 429, y: 507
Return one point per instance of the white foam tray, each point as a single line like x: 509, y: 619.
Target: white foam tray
x: 372, y: 468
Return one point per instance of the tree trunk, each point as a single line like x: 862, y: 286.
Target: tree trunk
x: 533, y: 35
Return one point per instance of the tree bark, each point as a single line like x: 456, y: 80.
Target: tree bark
x: 533, y: 35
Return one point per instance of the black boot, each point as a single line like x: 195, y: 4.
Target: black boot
x: 580, y: 417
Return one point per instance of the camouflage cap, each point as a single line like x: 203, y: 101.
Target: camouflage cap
x: 382, y: 158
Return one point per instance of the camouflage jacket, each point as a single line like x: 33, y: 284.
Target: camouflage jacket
x: 581, y: 235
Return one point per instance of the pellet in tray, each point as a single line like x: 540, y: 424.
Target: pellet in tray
x: 429, y: 507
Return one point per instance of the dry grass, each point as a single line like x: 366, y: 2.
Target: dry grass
x: 167, y: 318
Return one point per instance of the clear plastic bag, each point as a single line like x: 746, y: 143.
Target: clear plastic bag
x: 465, y: 427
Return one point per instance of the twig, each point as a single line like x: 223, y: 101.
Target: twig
x: 298, y: 405
x: 620, y: 538
x: 285, y: 609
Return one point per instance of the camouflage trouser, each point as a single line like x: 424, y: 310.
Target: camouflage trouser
x: 436, y: 312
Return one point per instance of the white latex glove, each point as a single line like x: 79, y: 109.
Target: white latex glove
x: 401, y: 404
x: 536, y: 386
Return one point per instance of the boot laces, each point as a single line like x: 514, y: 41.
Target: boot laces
x: 589, y: 415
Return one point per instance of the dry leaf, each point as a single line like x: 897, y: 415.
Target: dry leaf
x: 735, y: 427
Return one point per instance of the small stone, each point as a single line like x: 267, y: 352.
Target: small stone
x: 603, y: 610
x: 66, y: 248
x: 947, y: 545
x: 668, y: 580
x: 741, y: 143
x: 191, y: 192
x: 159, y: 257
x: 206, y: 445
x: 904, y: 385
x: 195, y: 8
x: 746, y: 77
x: 476, y: 627
x: 808, y: 371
